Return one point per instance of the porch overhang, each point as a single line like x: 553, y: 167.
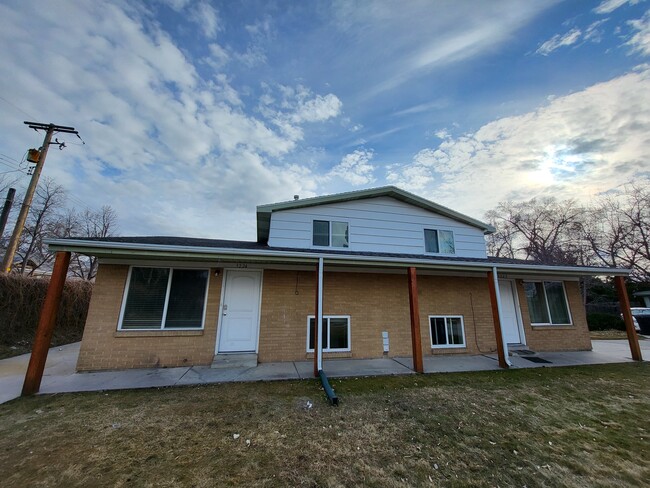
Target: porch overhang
x: 218, y: 255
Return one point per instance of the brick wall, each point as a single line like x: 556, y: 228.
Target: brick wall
x: 103, y: 347
x: 374, y: 302
x: 558, y: 338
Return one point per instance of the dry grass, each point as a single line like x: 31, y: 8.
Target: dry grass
x: 610, y: 335
x: 575, y: 427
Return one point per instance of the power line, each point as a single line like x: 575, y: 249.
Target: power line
x: 17, y: 107
x: 9, y: 157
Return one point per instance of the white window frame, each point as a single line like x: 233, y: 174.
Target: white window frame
x: 448, y: 346
x: 548, y: 309
x: 453, y: 237
x: 328, y: 317
x: 125, y: 296
x: 329, y: 243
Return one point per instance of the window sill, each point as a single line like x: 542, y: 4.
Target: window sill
x: 332, y: 355
x: 157, y: 333
x: 551, y: 326
x: 446, y: 348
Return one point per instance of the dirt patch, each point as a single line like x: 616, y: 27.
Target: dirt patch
x: 584, y: 426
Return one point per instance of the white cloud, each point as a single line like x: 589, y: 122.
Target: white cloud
x: 169, y: 146
x: 219, y: 56
x: 207, y: 17
x: 288, y: 107
x: 608, y: 6
x: 261, y: 34
x: 439, y: 34
x: 559, y: 40
x: 415, y: 176
x: 317, y: 109
x: 593, y: 32
x: 355, y: 168
x: 422, y: 107
x: 576, y: 146
x: 442, y: 134
x: 640, y: 41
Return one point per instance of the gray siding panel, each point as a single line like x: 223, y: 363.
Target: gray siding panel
x: 376, y: 225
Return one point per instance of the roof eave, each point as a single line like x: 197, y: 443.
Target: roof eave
x: 157, y: 251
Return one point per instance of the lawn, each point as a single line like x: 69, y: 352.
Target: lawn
x: 584, y: 426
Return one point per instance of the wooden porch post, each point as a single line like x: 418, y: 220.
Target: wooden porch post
x: 46, y: 323
x: 624, y: 301
x: 416, y: 339
x: 497, y: 320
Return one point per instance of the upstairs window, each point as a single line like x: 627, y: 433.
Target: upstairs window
x: 164, y: 298
x: 439, y: 241
x: 547, y: 303
x: 334, y: 234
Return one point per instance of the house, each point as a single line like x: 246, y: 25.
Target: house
x: 390, y: 273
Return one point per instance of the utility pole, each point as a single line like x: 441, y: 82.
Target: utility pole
x: 5, y: 211
x: 50, y: 129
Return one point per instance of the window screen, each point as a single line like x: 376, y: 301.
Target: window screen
x: 536, y: 302
x: 431, y: 240
x: 186, y: 299
x: 335, y: 333
x: 446, y: 242
x: 145, y: 301
x: 547, y: 302
x: 321, y: 233
x: 447, y: 331
x: 340, y: 234
x: 165, y: 298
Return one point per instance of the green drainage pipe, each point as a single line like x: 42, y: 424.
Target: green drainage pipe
x: 334, y: 400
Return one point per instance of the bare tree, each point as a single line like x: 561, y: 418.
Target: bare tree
x: 41, y: 223
x: 543, y: 230
x: 618, y: 230
x: 94, y: 224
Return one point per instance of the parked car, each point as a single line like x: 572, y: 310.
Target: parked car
x: 641, y: 317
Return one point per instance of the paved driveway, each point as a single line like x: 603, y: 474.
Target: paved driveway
x: 60, y: 373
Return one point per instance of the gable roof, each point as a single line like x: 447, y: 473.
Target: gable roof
x: 264, y: 211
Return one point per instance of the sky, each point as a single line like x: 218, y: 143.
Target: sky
x: 193, y: 112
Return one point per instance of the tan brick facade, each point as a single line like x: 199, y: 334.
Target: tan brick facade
x: 375, y: 303
x: 104, y: 347
x: 558, y: 338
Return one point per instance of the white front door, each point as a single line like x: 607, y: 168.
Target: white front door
x: 510, y: 324
x: 240, y: 311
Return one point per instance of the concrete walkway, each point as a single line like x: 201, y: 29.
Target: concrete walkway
x: 60, y: 376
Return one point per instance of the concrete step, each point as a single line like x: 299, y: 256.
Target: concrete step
x: 230, y: 361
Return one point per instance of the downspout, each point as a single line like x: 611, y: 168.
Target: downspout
x: 331, y: 396
x: 495, y: 277
x: 319, y: 317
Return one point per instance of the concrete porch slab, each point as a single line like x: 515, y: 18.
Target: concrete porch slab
x: 338, y: 368
x: 60, y: 373
x: 113, y: 380
x: 453, y: 363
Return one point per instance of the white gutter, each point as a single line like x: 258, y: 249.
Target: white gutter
x: 497, y: 290
x: 319, y: 317
x: 84, y: 246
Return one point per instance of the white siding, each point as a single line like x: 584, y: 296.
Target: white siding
x: 380, y: 224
